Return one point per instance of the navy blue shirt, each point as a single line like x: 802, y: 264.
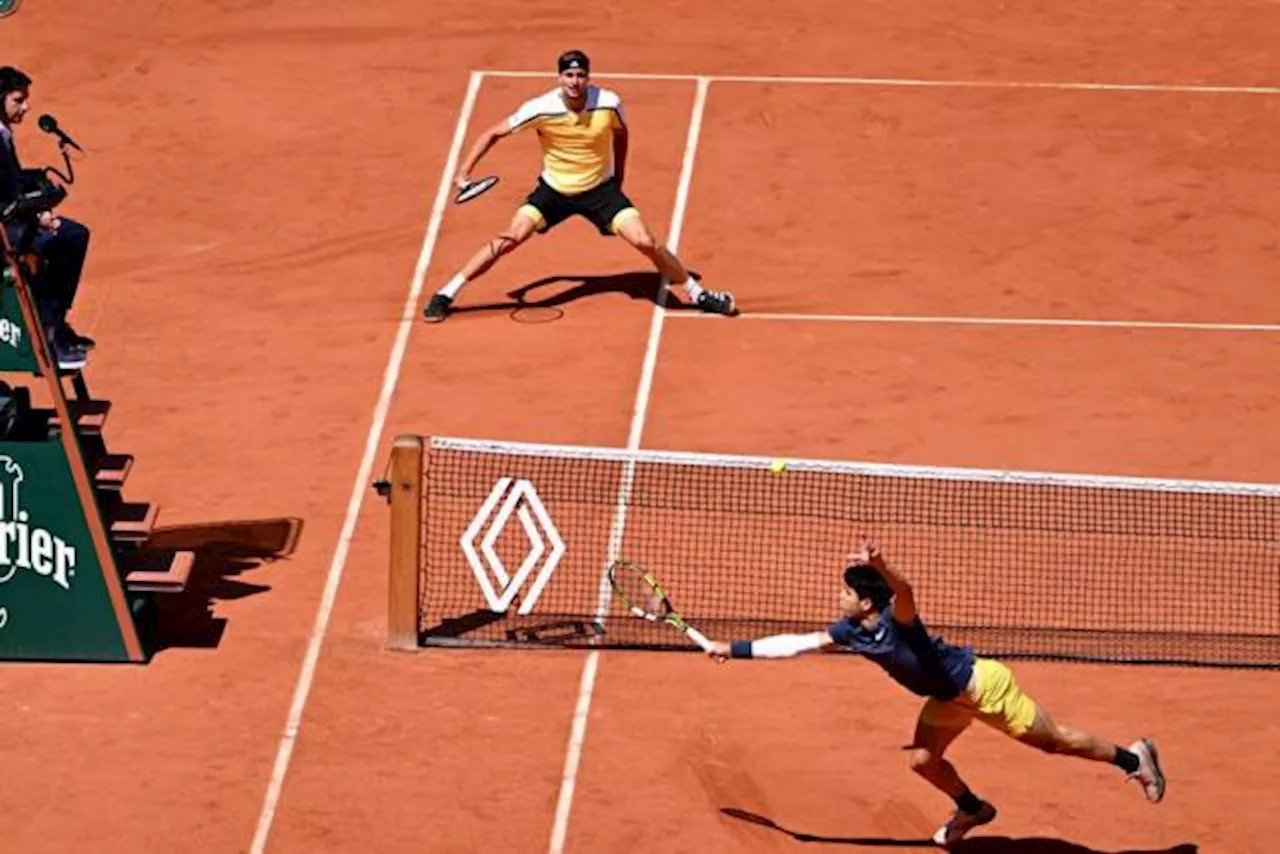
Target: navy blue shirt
x: 11, y: 184
x: 924, y: 665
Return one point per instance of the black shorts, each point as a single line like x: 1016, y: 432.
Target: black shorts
x: 599, y: 204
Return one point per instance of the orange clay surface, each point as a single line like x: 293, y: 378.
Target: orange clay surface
x: 259, y: 181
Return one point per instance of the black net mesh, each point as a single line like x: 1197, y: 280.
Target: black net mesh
x: 517, y: 544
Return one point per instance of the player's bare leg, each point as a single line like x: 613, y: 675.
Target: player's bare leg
x: 523, y: 226
x: 927, y: 750
x: 631, y: 227
x: 1139, y: 761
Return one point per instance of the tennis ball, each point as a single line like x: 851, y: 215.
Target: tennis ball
x: 778, y: 466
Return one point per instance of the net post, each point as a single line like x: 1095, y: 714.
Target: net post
x: 406, y: 542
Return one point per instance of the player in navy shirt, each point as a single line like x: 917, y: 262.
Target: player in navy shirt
x: 880, y: 623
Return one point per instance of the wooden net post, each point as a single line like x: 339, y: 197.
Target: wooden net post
x: 406, y: 543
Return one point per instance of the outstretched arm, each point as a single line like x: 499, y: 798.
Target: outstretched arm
x: 480, y: 149
x: 775, y: 646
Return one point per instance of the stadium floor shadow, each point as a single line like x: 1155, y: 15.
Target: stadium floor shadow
x: 224, y: 551
x: 638, y: 285
x: 976, y: 845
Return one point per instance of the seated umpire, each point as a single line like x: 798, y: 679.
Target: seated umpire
x: 59, y: 244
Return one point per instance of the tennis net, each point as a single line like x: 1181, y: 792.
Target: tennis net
x: 514, y: 540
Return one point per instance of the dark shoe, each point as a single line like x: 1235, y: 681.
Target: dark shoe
x: 438, y: 308
x: 70, y: 336
x: 70, y: 357
x: 717, y: 302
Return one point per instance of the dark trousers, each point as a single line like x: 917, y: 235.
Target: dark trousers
x: 61, y: 253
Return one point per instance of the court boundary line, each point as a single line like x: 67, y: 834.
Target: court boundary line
x: 390, y: 378
x: 906, y: 82
x: 961, y: 320
x: 590, y: 668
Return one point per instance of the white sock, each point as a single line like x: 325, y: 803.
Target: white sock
x: 455, y: 284
x: 694, y: 288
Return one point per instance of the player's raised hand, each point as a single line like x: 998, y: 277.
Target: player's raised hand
x: 868, y: 554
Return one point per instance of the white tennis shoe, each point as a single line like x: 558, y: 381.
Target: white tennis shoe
x: 961, y: 823
x: 1149, y: 773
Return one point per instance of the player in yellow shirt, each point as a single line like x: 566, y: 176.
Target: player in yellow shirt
x: 583, y: 131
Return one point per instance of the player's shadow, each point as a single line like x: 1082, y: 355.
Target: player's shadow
x: 976, y: 845
x: 224, y: 552
x: 866, y: 841
x: 1039, y: 845
x: 551, y: 292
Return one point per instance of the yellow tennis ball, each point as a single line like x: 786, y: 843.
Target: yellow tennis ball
x: 778, y: 466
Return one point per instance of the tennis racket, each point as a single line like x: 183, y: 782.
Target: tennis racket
x: 644, y: 597
x: 476, y: 188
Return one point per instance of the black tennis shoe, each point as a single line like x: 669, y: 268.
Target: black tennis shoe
x: 717, y: 302
x: 75, y: 339
x: 438, y: 309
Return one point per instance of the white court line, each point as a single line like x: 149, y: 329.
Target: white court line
x: 578, y: 731
x: 919, y: 83
x: 389, y: 379
x: 991, y: 321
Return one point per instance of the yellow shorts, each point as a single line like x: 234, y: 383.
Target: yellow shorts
x: 993, y: 697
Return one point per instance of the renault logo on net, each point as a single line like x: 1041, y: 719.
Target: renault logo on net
x: 509, y: 496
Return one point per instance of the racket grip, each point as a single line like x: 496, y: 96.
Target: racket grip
x: 699, y: 638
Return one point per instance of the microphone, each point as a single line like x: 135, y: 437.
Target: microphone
x: 49, y: 125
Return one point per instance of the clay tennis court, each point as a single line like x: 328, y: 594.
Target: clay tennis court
x: 1013, y: 274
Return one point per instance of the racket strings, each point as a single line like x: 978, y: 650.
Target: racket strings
x: 476, y: 188
x: 638, y: 593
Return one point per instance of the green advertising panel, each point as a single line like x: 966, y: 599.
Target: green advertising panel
x: 54, y: 603
x: 15, y: 339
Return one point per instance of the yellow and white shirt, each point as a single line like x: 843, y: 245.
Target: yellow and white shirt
x: 577, y: 148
